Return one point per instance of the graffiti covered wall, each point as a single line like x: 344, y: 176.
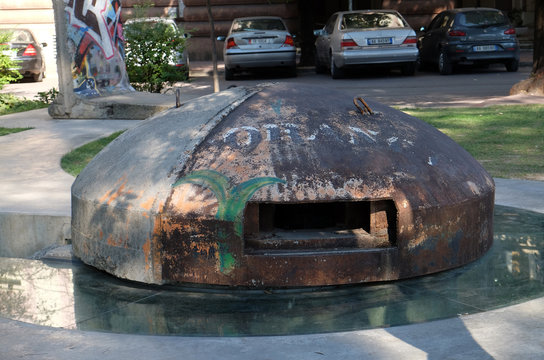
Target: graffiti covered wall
x: 96, y: 46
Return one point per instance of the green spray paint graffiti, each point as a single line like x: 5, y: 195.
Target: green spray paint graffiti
x: 231, y: 202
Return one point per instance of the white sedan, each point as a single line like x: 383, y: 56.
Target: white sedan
x: 258, y: 42
x: 357, y: 38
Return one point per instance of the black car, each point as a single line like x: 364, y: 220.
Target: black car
x: 28, y: 52
x: 469, y: 36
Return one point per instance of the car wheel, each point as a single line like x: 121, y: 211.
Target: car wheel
x: 229, y: 74
x: 319, y: 68
x: 409, y: 69
x: 336, y: 72
x: 512, y: 65
x: 38, y: 77
x: 445, y: 66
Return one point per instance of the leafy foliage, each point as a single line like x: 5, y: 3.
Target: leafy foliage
x: 151, y: 51
x: 11, y: 104
x: 47, y: 97
x: 8, y: 72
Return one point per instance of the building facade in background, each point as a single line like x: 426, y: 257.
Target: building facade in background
x: 302, y: 16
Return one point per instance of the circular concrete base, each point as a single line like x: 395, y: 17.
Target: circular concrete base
x: 73, y: 295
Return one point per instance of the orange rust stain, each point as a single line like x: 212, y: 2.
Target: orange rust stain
x: 155, y: 250
x: 100, y: 234
x: 202, y: 248
x: 161, y: 206
x: 231, y: 157
x: 111, y: 241
x: 188, y: 198
x: 169, y: 227
x: 147, y: 253
x: 112, y: 195
x: 148, y: 204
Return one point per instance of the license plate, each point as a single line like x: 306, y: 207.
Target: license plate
x: 485, y: 48
x: 379, y: 41
x: 261, y: 41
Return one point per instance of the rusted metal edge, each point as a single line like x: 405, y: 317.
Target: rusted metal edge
x: 207, y: 127
x: 365, y: 109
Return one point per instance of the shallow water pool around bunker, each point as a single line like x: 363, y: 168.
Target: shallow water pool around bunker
x: 72, y: 295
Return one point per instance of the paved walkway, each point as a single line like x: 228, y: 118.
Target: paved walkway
x: 31, y: 182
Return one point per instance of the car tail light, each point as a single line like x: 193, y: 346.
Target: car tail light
x: 510, y: 31
x: 410, y: 40
x: 457, y: 33
x: 348, y: 42
x: 288, y: 41
x: 231, y: 43
x: 30, y: 51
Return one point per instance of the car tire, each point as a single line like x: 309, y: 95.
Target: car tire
x: 336, y: 72
x: 409, y: 69
x: 512, y: 65
x: 445, y: 67
x: 38, y: 77
x: 319, y: 68
x: 229, y: 74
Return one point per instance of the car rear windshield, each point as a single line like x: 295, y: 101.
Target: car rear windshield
x: 482, y: 18
x: 371, y: 20
x: 258, y: 24
x: 22, y: 36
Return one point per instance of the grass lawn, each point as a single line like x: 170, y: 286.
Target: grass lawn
x: 77, y: 159
x: 507, y: 140
x: 7, y: 131
x: 10, y: 104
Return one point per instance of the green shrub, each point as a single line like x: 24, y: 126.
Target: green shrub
x: 151, y: 51
x: 47, y: 97
x: 8, y: 72
x: 11, y: 104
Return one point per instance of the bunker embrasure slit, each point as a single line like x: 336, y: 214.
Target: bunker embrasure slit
x: 320, y: 226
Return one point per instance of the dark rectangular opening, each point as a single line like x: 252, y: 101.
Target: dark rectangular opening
x: 320, y: 226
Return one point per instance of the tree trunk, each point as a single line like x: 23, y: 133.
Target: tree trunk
x: 538, y: 54
x: 534, y: 85
x: 214, y: 49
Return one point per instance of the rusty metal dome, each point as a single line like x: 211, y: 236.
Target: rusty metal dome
x: 281, y: 186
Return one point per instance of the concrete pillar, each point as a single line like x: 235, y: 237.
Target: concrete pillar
x: 62, y: 106
x: 90, y: 57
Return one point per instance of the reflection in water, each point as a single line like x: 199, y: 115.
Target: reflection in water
x: 36, y: 293
x: 72, y: 295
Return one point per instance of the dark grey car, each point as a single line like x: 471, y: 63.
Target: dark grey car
x: 27, y: 52
x: 469, y: 36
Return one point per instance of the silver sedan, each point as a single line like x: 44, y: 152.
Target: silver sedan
x: 258, y: 42
x: 357, y: 38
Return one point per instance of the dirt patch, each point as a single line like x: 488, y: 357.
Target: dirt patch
x: 531, y: 86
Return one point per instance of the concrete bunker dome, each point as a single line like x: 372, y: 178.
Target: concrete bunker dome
x: 281, y: 186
